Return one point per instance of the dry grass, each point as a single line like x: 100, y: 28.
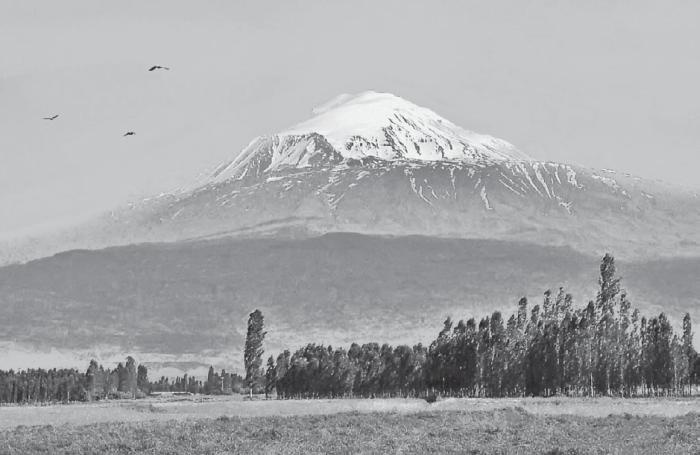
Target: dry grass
x: 196, y: 407
x: 510, y: 430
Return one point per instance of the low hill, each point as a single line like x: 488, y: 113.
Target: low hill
x: 176, y: 304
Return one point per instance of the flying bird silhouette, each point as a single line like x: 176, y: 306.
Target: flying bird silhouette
x: 158, y: 67
x: 129, y: 133
x: 53, y: 117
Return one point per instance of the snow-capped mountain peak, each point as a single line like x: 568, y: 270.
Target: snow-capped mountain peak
x: 369, y: 124
x: 377, y: 164
x: 400, y: 129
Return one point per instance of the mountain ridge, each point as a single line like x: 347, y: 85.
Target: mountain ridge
x: 377, y: 164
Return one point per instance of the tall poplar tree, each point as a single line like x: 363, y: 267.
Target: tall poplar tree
x: 688, y: 350
x: 131, y: 376
x: 252, y: 354
x: 270, y: 377
x: 142, y: 378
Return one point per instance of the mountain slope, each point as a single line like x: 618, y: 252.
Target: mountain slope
x: 188, y: 301
x: 544, y: 203
x: 377, y: 164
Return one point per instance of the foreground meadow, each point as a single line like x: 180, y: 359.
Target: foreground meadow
x: 511, y: 430
x: 231, y: 425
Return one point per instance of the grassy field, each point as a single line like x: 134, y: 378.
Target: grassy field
x: 195, y: 407
x: 498, y: 431
x: 555, y: 426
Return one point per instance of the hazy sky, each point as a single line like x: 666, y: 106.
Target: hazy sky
x: 607, y: 84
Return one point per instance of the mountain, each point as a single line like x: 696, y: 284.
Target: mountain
x: 373, y: 220
x: 377, y: 164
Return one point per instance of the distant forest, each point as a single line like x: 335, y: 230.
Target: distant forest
x: 604, y: 348
x: 97, y: 383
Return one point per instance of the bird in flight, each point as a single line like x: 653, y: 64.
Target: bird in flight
x: 129, y: 133
x: 53, y: 117
x: 157, y: 67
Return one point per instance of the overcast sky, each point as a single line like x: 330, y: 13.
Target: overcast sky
x: 606, y: 84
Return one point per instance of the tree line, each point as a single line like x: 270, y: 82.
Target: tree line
x: 64, y: 385
x: 216, y: 384
x: 603, y: 348
x: 127, y: 380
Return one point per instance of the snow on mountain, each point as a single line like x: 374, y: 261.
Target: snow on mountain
x: 369, y: 125
x: 377, y: 164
